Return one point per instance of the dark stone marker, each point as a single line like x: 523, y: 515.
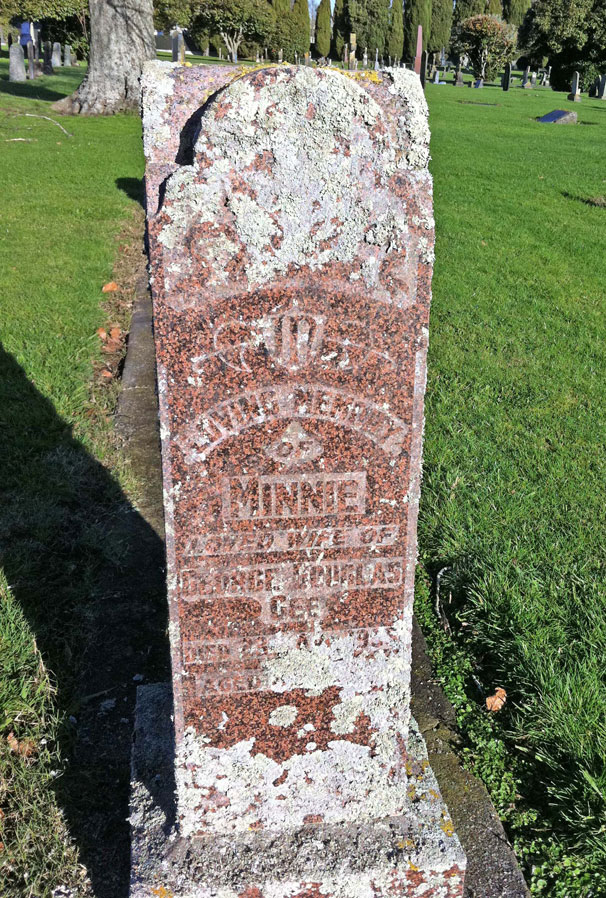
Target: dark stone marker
x: 47, y: 67
x: 31, y: 66
x: 506, y: 79
x: 559, y: 117
x: 423, y: 67
x: 291, y: 257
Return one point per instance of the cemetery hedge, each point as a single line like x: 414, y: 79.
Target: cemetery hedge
x: 512, y: 512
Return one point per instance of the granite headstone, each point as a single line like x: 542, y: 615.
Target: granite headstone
x: 291, y: 256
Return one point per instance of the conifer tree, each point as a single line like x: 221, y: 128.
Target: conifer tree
x: 494, y: 8
x: 395, y: 37
x: 416, y: 12
x: 464, y: 9
x: 300, y: 15
x: 515, y: 10
x: 369, y: 21
x: 323, y: 28
x: 441, y: 25
x: 340, y: 29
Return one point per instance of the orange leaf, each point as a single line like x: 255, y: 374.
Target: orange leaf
x: 25, y: 748
x: 102, y: 333
x: 115, y: 333
x: 495, y: 702
x: 111, y: 287
x: 106, y: 373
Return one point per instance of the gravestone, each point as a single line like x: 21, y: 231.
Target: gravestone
x: 559, y: 117
x: 56, y: 58
x: 533, y: 80
x: 177, y: 46
x: 280, y: 55
x: 31, y: 62
x: 419, y: 50
x: 436, y: 77
x: 575, y: 94
x: 291, y: 258
x: 376, y: 60
x: 459, y: 78
x: 67, y: 55
x: 526, y: 79
x: 506, y: 80
x: 47, y: 67
x: 602, y: 88
x: 423, y: 73
x: 16, y: 63
x: 365, y: 58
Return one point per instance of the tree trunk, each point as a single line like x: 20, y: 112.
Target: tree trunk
x: 121, y: 40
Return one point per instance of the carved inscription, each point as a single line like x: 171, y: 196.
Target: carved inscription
x: 340, y: 575
x: 293, y: 495
x: 218, y: 667
x: 306, y: 539
x: 305, y: 401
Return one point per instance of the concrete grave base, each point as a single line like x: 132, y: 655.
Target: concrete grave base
x: 417, y: 853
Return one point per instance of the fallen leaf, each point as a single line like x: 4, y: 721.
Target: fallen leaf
x: 102, y: 333
x: 25, y: 747
x: 106, y: 373
x: 115, y: 333
x: 111, y: 287
x: 495, y: 702
x: 112, y: 346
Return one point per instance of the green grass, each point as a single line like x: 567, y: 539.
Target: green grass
x: 514, y: 487
x: 513, y: 500
x: 65, y: 199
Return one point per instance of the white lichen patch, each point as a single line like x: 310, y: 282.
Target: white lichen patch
x: 283, y: 716
x: 232, y: 789
x: 407, y: 85
x: 297, y: 173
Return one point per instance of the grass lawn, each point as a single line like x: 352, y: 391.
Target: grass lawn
x: 513, y: 499
x: 514, y: 491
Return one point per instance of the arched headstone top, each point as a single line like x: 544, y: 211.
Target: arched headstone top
x: 319, y: 180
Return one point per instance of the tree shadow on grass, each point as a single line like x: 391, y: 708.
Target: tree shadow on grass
x: 87, y: 570
x: 38, y: 89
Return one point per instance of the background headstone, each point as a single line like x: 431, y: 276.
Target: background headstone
x: 291, y: 374
x: 506, y: 81
x: 48, y: 58
x: 31, y: 62
x: 459, y: 78
x: 575, y: 94
x: 526, y: 78
x: 602, y: 88
x: 67, y: 55
x: 16, y: 63
x: 56, y: 57
x: 533, y: 80
x: 419, y: 50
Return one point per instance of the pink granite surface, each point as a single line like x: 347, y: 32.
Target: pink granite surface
x: 291, y: 255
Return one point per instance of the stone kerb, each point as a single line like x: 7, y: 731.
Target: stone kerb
x: 291, y: 246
